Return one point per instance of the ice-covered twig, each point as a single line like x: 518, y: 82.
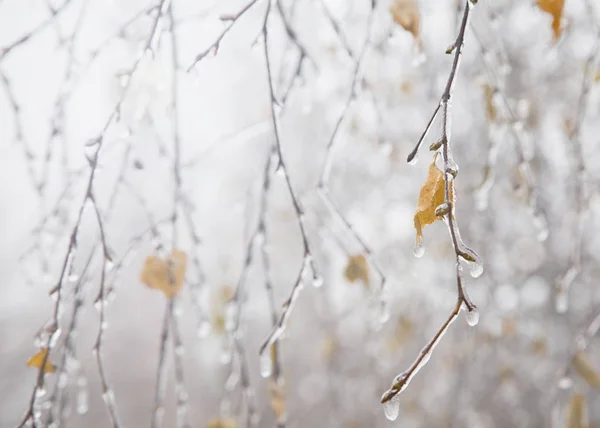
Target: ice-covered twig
x: 323, y: 183
x: 390, y: 397
x: 96, y: 146
x: 214, y: 46
x: 447, y: 211
x: 563, y: 284
x: 307, y: 258
x: 515, y: 125
x: 336, y: 28
x: 4, y: 51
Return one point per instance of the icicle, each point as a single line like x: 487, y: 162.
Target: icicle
x: 472, y: 316
x: 391, y: 408
x: 82, y: 395
x: 418, y: 250
x: 414, y: 159
x: 266, y: 363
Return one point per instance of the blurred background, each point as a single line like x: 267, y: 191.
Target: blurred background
x: 133, y: 128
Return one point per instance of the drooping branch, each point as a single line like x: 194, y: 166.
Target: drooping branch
x: 390, y: 399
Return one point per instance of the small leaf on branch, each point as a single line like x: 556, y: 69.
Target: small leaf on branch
x: 165, y: 275
x: 38, y: 359
x: 431, y: 196
x: 357, y: 269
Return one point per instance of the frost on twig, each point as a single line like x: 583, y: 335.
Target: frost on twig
x: 446, y: 211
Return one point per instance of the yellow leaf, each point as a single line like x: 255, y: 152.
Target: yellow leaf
x: 431, y: 196
x: 583, y: 366
x: 575, y: 411
x: 490, y: 108
x: 277, y: 400
x: 357, y: 269
x: 406, y: 14
x: 219, y: 301
x: 221, y: 422
x: 38, y: 359
x: 165, y: 275
x: 554, y: 8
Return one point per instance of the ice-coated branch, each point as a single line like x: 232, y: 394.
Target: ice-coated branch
x: 281, y: 168
x: 95, y: 145
x: 515, y: 125
x: 390, y: 398
x: 323, y: 183
x: 231, y: 20
x: 564, y: 283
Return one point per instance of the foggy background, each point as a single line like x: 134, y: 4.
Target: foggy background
x: 59, y: 88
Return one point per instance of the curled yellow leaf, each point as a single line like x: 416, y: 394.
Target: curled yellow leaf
x: 38, y: 359
x: 357, y: 269
x: 431, y: 196
x: 165, y: 275
x: 554, y: 8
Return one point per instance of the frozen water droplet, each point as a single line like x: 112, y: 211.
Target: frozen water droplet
x: 561, y: 302
x: 63, y: 380
x: 475, y: 269
x: 179, y: 350
x: 280, y: 170
x: 473, y: 317
x: 565, y: 382
x: 414, y: 159
x: 203, y: 329
x: 82, y: 396
x: 230, y: 316
x: 384, y: 314
x: 317, y: 281
x: 418, y: 250
x: 266, y: 364
x: 391, y: 408
x: 40, y: 392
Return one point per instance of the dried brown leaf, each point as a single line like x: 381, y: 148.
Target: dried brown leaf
x: 432, y: 195
x: 554, y: 8
x: 38, y: 359
x: 221, y: 422
x: 357, y: 269
x: 575, y: 411
x: 165, y: 275
x: 406, y: 14
x: 583, y: 366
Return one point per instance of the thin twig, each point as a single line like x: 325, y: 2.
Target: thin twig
x: 307, y: 258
